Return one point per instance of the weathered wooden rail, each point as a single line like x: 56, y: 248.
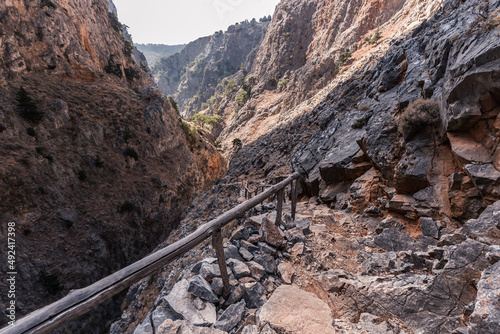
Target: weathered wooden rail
x: 80, y: 301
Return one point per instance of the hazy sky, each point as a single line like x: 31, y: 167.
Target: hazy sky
x: 182, y: 21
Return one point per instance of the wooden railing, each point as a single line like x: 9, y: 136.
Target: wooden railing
x: 80, y: 301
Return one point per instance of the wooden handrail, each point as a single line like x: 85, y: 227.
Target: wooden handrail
x: 80, y: 301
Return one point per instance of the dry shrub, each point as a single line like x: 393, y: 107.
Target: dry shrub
x: 417, y: 116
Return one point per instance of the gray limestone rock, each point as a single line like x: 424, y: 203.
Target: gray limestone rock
x: 429, y: 227
x: 231, y: 317
x: 239, y: 268
x: 231, y: 252
x: 486, y: 316
x: 199, y: 287
x: 394, y: 241
x: 181, y: 301
x: 256, y: 270
x: 266, y: 261
x: 487, y: 226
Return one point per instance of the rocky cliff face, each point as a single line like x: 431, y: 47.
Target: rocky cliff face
x: 398, y: 226
x: 311, y: 45
x: 193, y: 75
x: 97, y: 168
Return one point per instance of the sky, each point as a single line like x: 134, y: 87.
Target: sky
x: 182, y: 21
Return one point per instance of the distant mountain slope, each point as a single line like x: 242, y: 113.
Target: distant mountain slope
x: 154, y: 52
x: 193, y: 74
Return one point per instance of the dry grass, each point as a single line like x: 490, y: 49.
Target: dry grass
x: 417, y: 116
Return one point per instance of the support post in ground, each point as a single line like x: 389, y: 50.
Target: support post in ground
x: 219, y: 250
x: 295, y: 190
x: 279, y: 206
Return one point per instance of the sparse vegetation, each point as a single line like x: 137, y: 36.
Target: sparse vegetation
x: 128, y: 135
x: 128, y: 48
x: 113, y: 68
x: 265, y: 19
x: 203, y: 120
x: 48, y: 4
x: 127, y: 207
x: 360, y: 122
x: 230, y: 86
x: 130, y: 152
x: 344, y: 57
x: 50, y: 282
x: 376, y: 36
x: 29, y: 108
x: 283, y: 83
x: 98, y: 162
x: 115, y: 23
x: 417, y: 116
x: 144, y: 67
x: 237, y: 144
x: 242, y: 98
x: 131, y: 74
x: 190, y: 132
x: 173, y: 103
x: 82, y: 175
x: 31, y: 132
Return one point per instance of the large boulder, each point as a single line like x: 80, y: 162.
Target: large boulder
x: 292, y: 310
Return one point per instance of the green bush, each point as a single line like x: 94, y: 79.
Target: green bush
x: 173, y: 103
x: 242, y: 98
x: 376, y: 36
x: 29, y: 108
x: 130, y: 152
x: 418, y: 115
x: 230, y: 86
x: 344, y: 57
x: 283, y: 83
x: 190, y: 133
x: 202, y: 119
x: 128, y: 48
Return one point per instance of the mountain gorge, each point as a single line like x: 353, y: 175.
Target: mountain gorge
x: 388, y: 109
x: 397, y: 147
x: 194, y: 75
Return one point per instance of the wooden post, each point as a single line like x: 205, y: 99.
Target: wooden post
x: 219, y: 250
x: 279, y: 206
x: 295, y: 190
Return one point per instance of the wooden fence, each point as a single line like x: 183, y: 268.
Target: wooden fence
x: 80, y: 301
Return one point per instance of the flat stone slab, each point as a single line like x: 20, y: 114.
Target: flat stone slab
x: 293, y: 310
